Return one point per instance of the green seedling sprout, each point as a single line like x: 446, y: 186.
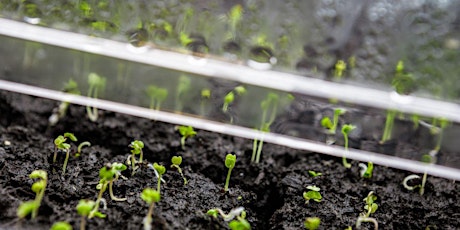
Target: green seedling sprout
x: 157, y: 96
x: 80, y: 146
x: 389, y: 122
x: 440, y: 131
x: 84, y: 208
x: 61, y: 225
x: 185, y: 132
x: 108, y: 174
x: 70, y: 87
x: 312, y: 194
x: 340, y: 67
x: 230, y: 161
x: 331, y: 126
x: 183, y: 86
x: 370, y: 208
x: 59, y: 144
x: 136, y: 149
x: 205, y: 96
x: 346, y: 129
x: 313, y: 173
x: 312, y: 223
x: 39, y: 187
x: 234, y: 18
x: 240, y: 223
x: 366, y: 170
x: 150, y: 196
x: 227, y: 217
x: 96, y: 84
x: 160, y: 169
x: 268, y: 106
x: 176, y: 161
x: 230, y: 96
x: 427, y: 159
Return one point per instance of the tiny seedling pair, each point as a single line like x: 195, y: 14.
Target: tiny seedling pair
x: 312, y: 194
x: 239, y: 224
x: 60, y: 144
x: 370, y: 208
x: 39, y: 187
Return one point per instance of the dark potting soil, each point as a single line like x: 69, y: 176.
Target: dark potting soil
x: 270, y: 192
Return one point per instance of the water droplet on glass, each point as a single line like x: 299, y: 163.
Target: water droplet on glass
x: 33, y: 21
x: 261, y: 58
x: 401, y: 99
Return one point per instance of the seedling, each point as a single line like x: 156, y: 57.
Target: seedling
x: 268, y: 106
x: 234, y: 18
x: 84, y: 208
x: 157, y: 96
x: 370, y: 208
x: 176, y: 161
x: 230, y: 161
x: 240, y: 223
x: 440, y: 131
x: 80, y: 146
x: 205, y: 96
x: 230, y: 96
x: 136, y: 149
x: 331, y: 126
x: 160, y: 169
x: 61, y: 225
x: 60, y: 144
x: 312, y: 194
x: 340, y: 67
x: 150, y: 196
x: 388, y: 126
x: 108, y: 174
x: 427, y: 159
x: 312, y: 223
x: 313, y: 173
x: 366, y: 170
x: 70, y: 87
x: 185, y: 132
x: 96, y: 84
x: 346, y: 129
x: 183, y: 86
x: 39, y: 187
x: 227, y: 217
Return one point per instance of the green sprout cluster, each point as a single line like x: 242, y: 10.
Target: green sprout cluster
x: 136, y: 149
x: 176, y: 161
x: 239, y: 224
x: 61, y: 145
x: 370, y: 208
x: 186, y: 132
x: 58, y: 113
x: 84, y: 208
x: 312, y: 194
x: 96, y: 86
x: 157, y: 96
x: 331, y: 126
x: 31, y: 207
x: 150, y: 196
x: 230, y: 96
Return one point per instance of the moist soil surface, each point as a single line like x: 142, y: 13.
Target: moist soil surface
x: 271, y: 192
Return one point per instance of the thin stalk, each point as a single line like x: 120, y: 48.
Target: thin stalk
x: 82, y: 222
x: 422, y: 188
x: 133, y: 162
x: 344, y: 159
x: 227, y: 181
x: 159, y: 184
x: 439, y: 141
x: 65, y: 161
x: 388, y: 126
x: 254, y: 150
x: 148, y: 218
x: 112, y: 196
x: 92, y: 111
x: 259, y: 150
x: 38, y: 201
x: 98, y: 200
x: 367, y: 219
x: 141, y: 156
x: 55, y: 155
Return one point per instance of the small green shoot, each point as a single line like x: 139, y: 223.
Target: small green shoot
x: 61, y: 145
x: 340, y: 67
x: 346, y: 129
x: 160, y: 169
x: 205, y: 96
x: 230, y: 161
x: 176, y: 161
x: 230, y: 96
x: 108, y: 174
x: 84, y: 208
x: 312, y: 223
x: 312, y: 194
x: 61, y: 225
x: 70, y: 87
x: 314, y: 174
x: 366, y: 170
x: 427, y: 159
x: 96, y: 85
x: 39, y: 187
x: 136, y: 149
x: 234, y: 17
x: 227, y: 217
x: 183, y: 86
x: 150, y: 196
x: 331, y: 126
x: 185, y: 132
x: 80, y: 146
x: 157, y: 96
x: 389, y: 123
x: 370, y: 208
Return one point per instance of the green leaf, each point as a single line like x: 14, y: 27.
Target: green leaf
x: 38, y: 186
x: 240, y: 90
x: 312, y: 195
x: 313, y: 188
x: 71, y: 136
x: 118, y: 167
x: 160, y: 168
x: 346, y: 129
x: 240, y: 224
x: 61, y: 225
x: 206, y: 93
x: 326, y: 122
x: 176, y: 160
x: 229, y: 98
x: 59, y: 140
x: 150, y: 195
x: 312, y: 223
x: 212, y: 212
x: 38, y: 174
x: 106, y: 173
x: 230, y: 160
x: 314, y: 174
x: 26, y: 208
x: 100, y: 215
x: 187, y: 131
x: 84, y: 207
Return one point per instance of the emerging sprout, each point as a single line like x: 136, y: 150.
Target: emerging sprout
x: 312, y: 223
x: 370, y: 208
x: 230, y: 161
x: 60, y: 144
x: 150, y: 196
x: 313, y: 173
x: 366, y: 170
x: 157, y: 95
x: 96, y: 84
x: 230, y: 96
x: 61, y: 225
x: 340, y: 66
x: 313, y: 194
x: 227, y: 217
x: 108, y: 174
x: 84, y: 208
x: 176, y: 161
x: 70, y: 87
x: 80, y: 146
x: 160, y: 169
x: 346, y: 129
x: 388, y: 126
x: 136, y: 149
x: 31, y: 207
x: 427, y: 159
x: 185, y: 132
x: 183, y: 86
x: 234, y: 18
x: 205, y: 96
x: 331, y: 126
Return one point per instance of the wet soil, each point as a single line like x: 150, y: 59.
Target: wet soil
x: 271, y: 192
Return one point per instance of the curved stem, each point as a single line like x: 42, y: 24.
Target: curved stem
x: 98, y: 201
x: 112, y: 196
x: 159, y: 184
x: 227, y: 181
x: 38, y: 201
x: 65, y: 161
